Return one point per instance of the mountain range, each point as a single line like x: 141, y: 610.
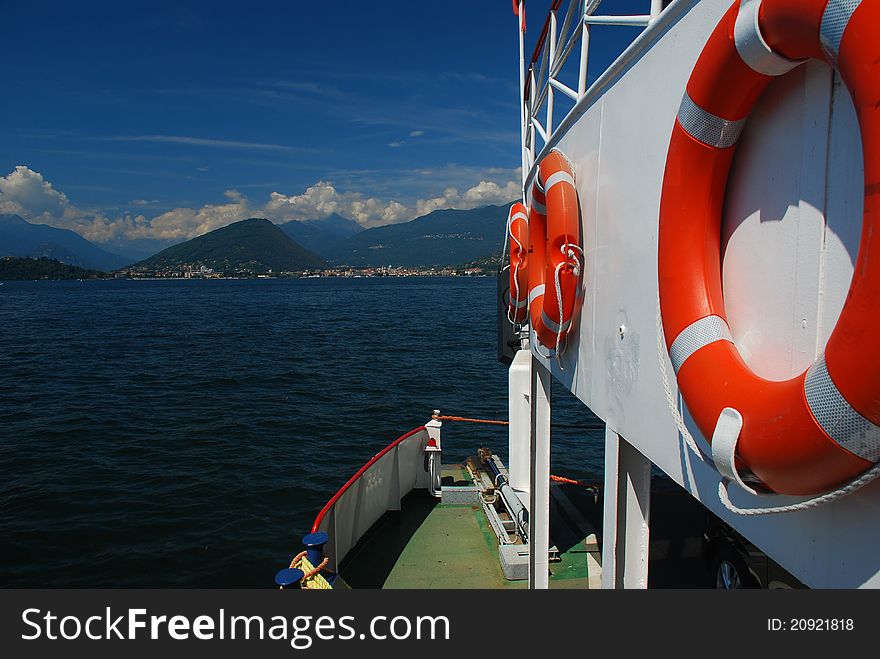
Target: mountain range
x: 18, y: 237
x: 318, y: 235
x: 441, y: 238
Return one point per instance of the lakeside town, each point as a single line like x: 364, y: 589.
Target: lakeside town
x: 188, y: 271
x: 26, y: 268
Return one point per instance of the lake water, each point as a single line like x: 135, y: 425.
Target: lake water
x: 185, y: 433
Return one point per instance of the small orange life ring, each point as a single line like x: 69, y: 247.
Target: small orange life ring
x: 554, y: 239
x: 821, y: 428
x: 518, y: 232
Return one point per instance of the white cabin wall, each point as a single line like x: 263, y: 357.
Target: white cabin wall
x: 774, y: 225
x: 785, y: 271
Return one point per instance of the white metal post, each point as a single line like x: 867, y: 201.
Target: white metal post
x: 532, y: 95
x: 656, y: 8
x: 434, y: 426
x: 585, y: 53
x: 539, y: 478
x: 522, y: 99
x: 519, y: 412
x: 552, y: 61
x: 627, y: 507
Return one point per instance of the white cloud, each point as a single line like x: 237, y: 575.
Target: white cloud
x: 185, y: 223
x: 323, y: 198
x: 416, y: 133
x: 28, y: 194
x: 25, y: 192
x: 396, y: 144
x: 482, y: 194
x: 101, y: 229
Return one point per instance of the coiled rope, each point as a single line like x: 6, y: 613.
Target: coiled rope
x: 311, y: 573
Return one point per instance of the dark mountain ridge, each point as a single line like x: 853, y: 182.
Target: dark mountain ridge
x: 18, y: 237
x: 318, y: 235
x: 253, y: 245
x: 440, y: 238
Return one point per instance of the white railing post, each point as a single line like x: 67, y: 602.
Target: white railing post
x: 519, y: 414
x: 585, y: 53
x: 550, y: 65
x: 539, y: 477
x: 626, y: 514
x: 532, y: 96
x: 434, y: 426
x: 656, y: 8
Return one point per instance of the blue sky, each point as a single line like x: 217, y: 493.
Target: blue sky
x: 166, y: 119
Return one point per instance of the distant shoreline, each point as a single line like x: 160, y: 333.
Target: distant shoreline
x: 99, y: 279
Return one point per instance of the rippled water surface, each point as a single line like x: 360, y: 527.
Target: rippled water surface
x: 185, y: 433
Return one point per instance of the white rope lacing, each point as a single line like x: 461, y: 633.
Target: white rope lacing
x: 570, y: 258
x: 515, y: 279
x: 723, y: 486
x: 506, y: 266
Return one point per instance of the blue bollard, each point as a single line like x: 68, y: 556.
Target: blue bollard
x: 314, y: 543
x: 289, y: 578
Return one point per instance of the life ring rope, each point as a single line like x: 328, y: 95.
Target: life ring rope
x: 517, y: 231
x: 570, y: 253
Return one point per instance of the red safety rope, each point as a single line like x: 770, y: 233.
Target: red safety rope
x: 444, y: 417
x: 569, y: 481
x: 497, y: 422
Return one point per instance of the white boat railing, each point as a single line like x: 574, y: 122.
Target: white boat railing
x: 540, y: 78
x: 379, y: 487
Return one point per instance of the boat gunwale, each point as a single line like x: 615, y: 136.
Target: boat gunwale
x: 360, y: 472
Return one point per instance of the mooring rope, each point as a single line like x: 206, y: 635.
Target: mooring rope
x: 494, y: 422
x: 498, y: 422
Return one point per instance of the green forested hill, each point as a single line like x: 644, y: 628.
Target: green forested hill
x: 24, y: 268
x: 253, y: 245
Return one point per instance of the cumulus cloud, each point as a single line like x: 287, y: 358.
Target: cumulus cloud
x: 185, y: 223
x: 26, y: 193
x: 322, y: 198
x: 101, y: 229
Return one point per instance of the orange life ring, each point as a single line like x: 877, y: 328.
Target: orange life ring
x: 820, y: 429
x: 518, y: 232
x: 554, y: 239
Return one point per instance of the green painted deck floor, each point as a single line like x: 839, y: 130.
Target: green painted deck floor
x: 435, y: 545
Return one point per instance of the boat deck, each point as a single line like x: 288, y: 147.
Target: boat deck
x: 431, y: 544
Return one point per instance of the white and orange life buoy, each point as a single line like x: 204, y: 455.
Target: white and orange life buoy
x: 518, y: 233
x: 820, y: 429
x: 554, y: 239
